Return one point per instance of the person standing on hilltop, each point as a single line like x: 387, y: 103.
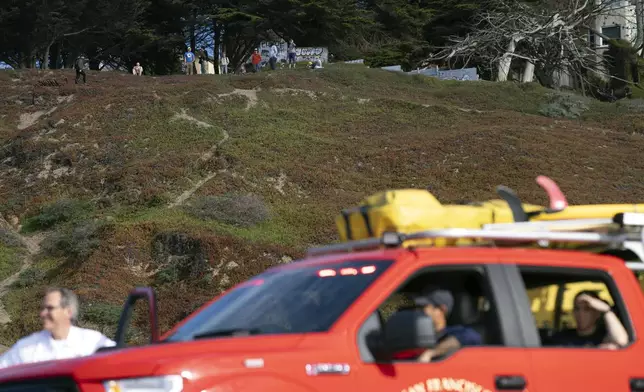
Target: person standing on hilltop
x: 224, y: 63
x: 59, y: 338
x: 79, y: 66
x: 189, y: 61
x: 273, y: 56
x: 137, y: 70
x: 203, y: 58
x: 291, y: 53
x: 256, y: 59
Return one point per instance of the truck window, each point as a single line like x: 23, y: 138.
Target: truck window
x: 555, y: 313
x: 552, y: 291
x: 289, y: 300
x: 473, y: 304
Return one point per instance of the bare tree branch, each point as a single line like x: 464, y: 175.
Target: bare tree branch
x: 78, y: 32
x: 554, y: 36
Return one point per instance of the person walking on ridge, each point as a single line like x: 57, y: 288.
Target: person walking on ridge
x: 79, y: 66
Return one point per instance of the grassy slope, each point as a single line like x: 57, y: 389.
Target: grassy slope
x: 347, y: 132
x: 9, y: 261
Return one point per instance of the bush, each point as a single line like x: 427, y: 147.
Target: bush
x: 385, y: 57
x: 233, y: 209
x: 100, y: 313
x: 180, y: 257
x: 57, y: 212
x: 565, y: 105
x: 78, y: 242
x: 10, y: 239
x: 405, y: 54
x: 169, y: 274
x: 343, y: 51
x: 30, y: 277
x: 622, y: 62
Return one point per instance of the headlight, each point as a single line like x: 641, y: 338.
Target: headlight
x: 145, y: 384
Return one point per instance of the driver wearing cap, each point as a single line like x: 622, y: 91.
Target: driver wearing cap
x: 438, y: 303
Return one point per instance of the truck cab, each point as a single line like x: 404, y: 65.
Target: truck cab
x: 337, y: 320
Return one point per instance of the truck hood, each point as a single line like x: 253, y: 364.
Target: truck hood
x: 136, y: 361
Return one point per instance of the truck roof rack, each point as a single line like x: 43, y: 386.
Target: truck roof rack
x: 623, y: 232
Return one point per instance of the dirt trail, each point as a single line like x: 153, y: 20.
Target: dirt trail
x: 204, y: 157
x: 32, y: 245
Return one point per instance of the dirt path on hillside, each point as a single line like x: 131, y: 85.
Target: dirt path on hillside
x: 206, y: 156
x: 32, y: 246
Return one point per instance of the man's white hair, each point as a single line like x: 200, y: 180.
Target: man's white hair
x: 68, y: 299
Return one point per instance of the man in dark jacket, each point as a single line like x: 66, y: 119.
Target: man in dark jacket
x: 79, y: 66
x: 203, y: 57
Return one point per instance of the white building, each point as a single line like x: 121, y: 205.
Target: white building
x: 618, y: 22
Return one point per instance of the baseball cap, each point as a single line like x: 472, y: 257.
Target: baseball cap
x: 433, y: 295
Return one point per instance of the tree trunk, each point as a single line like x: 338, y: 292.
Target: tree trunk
x: 639, y: 18
x: 506, y: 61
x: 216, y: 28
x: 44, y: 64
x: 25, y: 59
x: 55, y: 56
x: 528, y: 72
x: 193, y: 40
x: 597, y: 25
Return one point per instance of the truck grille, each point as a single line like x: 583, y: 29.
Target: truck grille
x: 41, y: 385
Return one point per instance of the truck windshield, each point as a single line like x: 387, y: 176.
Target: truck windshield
x: 292, y: 300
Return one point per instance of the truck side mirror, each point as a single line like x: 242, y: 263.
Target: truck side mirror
x: 135, y: 295
x: 409, y: 330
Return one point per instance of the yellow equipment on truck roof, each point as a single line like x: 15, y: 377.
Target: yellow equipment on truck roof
x: 412, y: 210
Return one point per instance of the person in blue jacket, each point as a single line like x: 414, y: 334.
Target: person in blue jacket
x: 438, y: 304
x: 189, y: 61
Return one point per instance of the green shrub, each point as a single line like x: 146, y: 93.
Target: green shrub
x: 30, y: 277
x: 169, y: 274
x: 406, y: 54
x: 60, y: 211
x: 622, y: 63
x: 77, y: 242
x: 385, y: 57
x: 10, y: 238
x: 100, y: 313
x: 566, y: 105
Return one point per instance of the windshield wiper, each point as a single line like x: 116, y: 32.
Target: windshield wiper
x: 228, y: 332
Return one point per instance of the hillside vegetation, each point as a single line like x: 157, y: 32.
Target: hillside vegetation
x: 192, y: 184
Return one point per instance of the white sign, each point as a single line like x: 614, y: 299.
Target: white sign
x: 305, y: 53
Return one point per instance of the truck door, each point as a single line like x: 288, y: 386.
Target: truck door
x: 482, y: 303
x: 559, y: 362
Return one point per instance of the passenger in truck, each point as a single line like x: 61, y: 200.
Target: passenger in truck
x: 438, y: 303
x: 59, y: 338
x: 596, y: 325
